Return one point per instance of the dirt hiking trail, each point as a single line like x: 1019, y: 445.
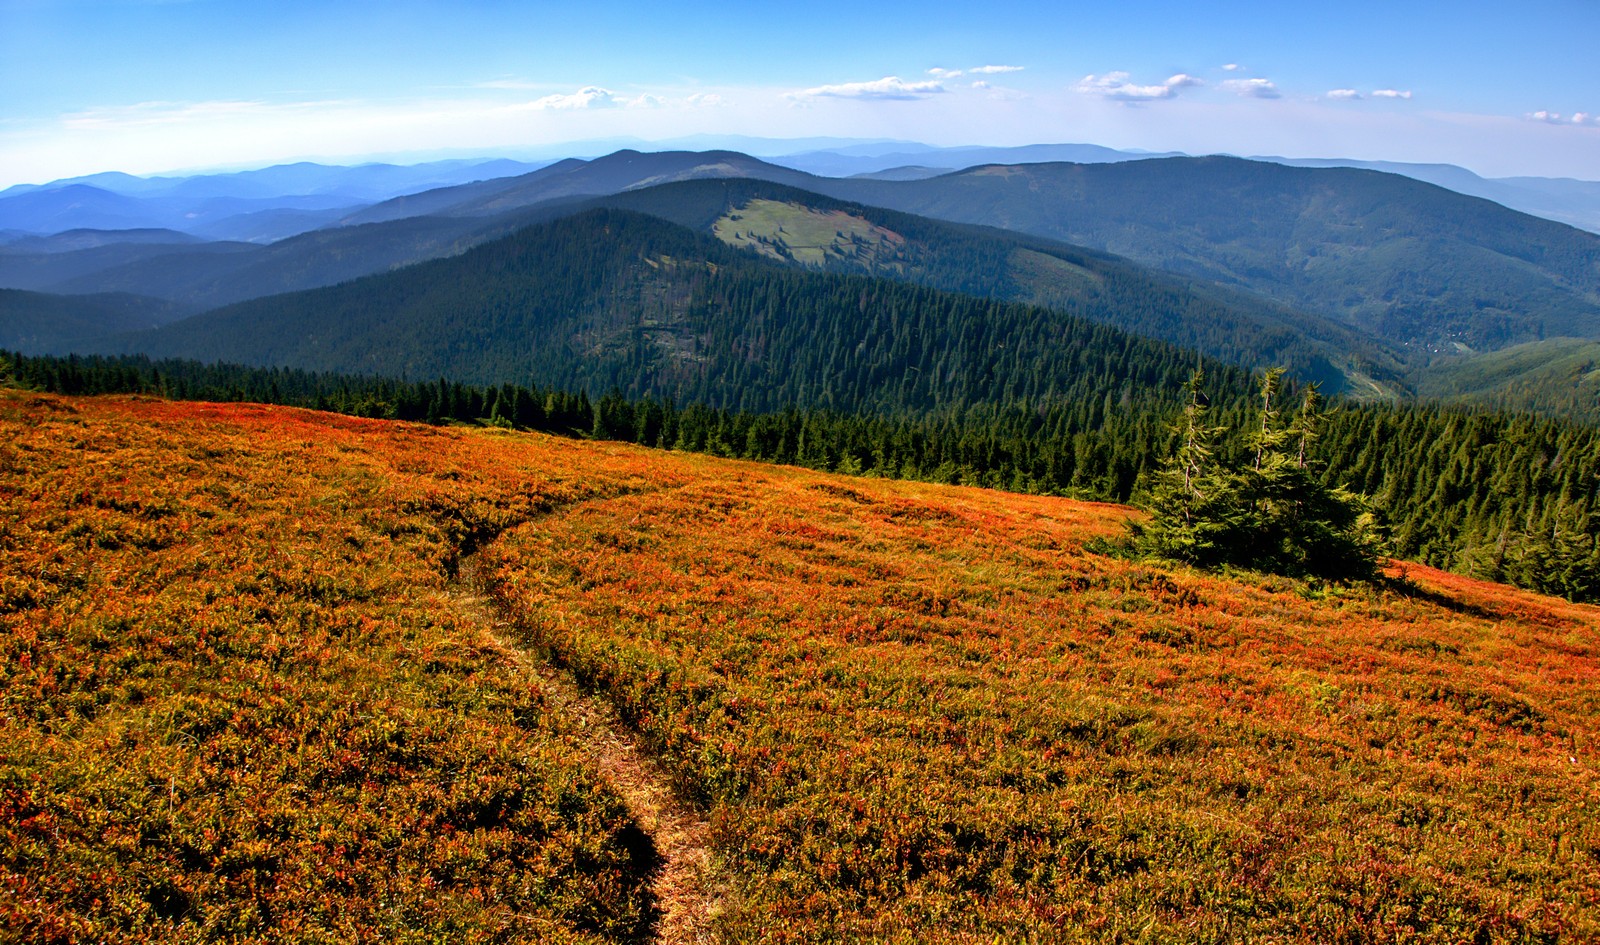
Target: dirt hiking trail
x: 686, y: 897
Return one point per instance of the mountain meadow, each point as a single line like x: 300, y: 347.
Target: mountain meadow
x: 282, y: 675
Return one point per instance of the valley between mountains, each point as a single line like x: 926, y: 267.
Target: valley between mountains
x: 244, y: 701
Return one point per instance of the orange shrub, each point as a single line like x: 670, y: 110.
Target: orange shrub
x: 923, y: 713
x: 239, y: 703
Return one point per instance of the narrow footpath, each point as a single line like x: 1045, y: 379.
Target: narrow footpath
x: 684, y: 893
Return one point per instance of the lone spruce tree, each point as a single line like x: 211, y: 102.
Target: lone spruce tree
x: 1193, y: 500
x: 1271, y: 511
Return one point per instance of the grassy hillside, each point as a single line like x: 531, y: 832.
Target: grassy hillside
x: 242, y: 701
x: 239, y: 704
x: 1558, y: 376
x: 787, y: 230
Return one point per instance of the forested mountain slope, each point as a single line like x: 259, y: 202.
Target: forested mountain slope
x: 1235, y: 327
x: 611, y: 298
x: 1559, y: 376
x: 814, y: 231
x: 207, y: 275
x: 1410, y: 262
x: 33, y: 321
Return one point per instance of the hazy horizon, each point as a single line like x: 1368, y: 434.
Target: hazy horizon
x: 144, y: 86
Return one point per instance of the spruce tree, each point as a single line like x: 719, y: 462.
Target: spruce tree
x: 1193, y: 503
x: 1271, y: 512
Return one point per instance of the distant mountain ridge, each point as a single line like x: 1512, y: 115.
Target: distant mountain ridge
x: 1574, y: 202
x: 1564, y: 200
x: 261, y: 205
x: 622, y: 170
x: 853, y: 163
x: 210, y: 203
x: 68, y: 241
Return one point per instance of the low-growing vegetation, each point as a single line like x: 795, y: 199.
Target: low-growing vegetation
x: 1510, y: 498
x: 237, y: 704
x: 240, y: 704
x: 923, y: 714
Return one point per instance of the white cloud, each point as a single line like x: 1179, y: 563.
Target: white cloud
x: 705, y: 100
x: 980, y: 84
x: 516, y: 84
x: 1391, y: 93
x: 1253, y: 88
x: 1556, y: 118
x: 1115, y: 86
x: 1231, y: 67
x: 888, y: 88
x: 942, y: 73
x: 1344, y: 95
x: 591, y: 96
x: 147, y: 114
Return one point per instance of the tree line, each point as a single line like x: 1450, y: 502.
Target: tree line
x: 1511, y: 497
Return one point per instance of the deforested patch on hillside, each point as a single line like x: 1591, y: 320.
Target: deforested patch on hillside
x: 781, y: 230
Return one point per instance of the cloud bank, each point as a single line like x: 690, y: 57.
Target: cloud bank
x: 890, y: 88
x: 942, y: 73
x: 1253, y: 88
x: 1557, y: 118
x: 595, y: 98
x: 1117, y: 87
x: 590, y: 96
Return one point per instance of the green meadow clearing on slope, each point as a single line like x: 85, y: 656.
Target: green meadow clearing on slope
x: 789, y: 230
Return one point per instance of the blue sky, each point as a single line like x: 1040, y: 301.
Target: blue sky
x: 156, y: 85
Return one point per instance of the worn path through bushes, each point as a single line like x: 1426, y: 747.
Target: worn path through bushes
x: 685, y: 895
